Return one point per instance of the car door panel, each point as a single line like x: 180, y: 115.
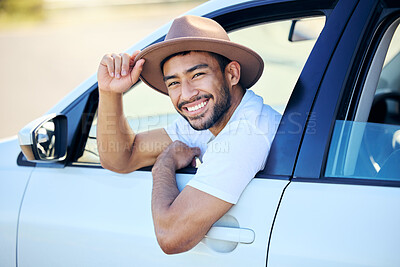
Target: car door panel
x: 322, y: 224
x: 93, y: 217
x: 13, y: 182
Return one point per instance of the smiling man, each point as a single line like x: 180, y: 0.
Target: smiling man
x: 212, y: 108
x: 207, y: 78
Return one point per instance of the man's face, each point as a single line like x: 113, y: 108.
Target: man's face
x: 197, y: 88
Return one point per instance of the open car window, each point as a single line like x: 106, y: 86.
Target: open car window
x: 284, y: 60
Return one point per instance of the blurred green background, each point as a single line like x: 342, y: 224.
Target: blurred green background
x: 20, y: 10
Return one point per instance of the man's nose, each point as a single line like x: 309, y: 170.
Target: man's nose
x: 188, y: 90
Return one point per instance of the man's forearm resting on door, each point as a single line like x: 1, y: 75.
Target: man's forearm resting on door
x: 181, y: 219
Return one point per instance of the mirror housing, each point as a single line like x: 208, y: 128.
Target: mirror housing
x: 306, y: 29
x: 45, y: 139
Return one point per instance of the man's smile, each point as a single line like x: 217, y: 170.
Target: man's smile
x: 195, y: 107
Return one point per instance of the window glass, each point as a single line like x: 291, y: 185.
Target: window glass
x: 283, y: 59
x: 371, y: 149
x: 364, y: 150
x: 147, y: 109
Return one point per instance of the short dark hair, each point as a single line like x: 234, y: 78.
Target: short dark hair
x: 222, y: 61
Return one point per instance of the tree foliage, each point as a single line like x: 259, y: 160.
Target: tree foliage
x: 21, y: 7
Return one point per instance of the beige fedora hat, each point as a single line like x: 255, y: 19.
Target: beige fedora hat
x: 193, y: 33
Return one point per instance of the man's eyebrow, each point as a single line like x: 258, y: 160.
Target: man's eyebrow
x: 165, y: 78
x: 199, y: 66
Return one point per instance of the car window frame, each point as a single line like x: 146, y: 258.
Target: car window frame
x: 372, y: 78
x: 369, y: 85
x: 346, y: 109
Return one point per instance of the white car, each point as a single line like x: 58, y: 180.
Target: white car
x: 328, y: 196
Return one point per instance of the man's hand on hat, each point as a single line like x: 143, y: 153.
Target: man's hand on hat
x: 118, y: 72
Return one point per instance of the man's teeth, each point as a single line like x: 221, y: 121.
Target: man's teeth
x: 197, y: 106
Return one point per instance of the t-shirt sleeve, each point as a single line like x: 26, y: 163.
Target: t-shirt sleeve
x: 232, y: 159
x: 181, y: 130
x: 173, y: 130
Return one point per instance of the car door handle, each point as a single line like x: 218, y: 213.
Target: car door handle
x: 237, y: 235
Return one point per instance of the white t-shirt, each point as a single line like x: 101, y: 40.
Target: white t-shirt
x: 232, y: 158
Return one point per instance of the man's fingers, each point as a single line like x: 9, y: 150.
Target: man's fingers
x: 193, y: 164
x: 132, y: 60
x: 137, y: 69
x: 196, y: 151
x: 115, y: 74
x: 134, y: 54
x: 117, y: 65
x: 126, y: 59
x: 108, y: 62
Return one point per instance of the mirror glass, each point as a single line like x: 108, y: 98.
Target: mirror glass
x: 46, y: 140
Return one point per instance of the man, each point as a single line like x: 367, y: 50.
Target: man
x: 205, y: 76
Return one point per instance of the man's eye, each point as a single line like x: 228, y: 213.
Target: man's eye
x: 198, y: 74
x: 172, y: 84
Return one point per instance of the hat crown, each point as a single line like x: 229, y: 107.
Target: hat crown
x: 193, y: 33
x: 193, y: 26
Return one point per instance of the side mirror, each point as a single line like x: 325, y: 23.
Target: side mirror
x: 306, y: 29
x: 45, y: 139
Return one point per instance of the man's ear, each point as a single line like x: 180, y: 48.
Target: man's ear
x: 232, y: 71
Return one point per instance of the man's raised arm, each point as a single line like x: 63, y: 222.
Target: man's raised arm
x: 120, y: 149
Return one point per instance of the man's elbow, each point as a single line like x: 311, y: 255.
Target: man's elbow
x: 173, y: 245
x: 170, y: 249
x: 116, y: 168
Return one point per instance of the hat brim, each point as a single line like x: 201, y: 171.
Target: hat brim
x: 251, y: 63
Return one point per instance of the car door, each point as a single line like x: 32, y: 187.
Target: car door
x: 79, y: 214
x: 341, y: 206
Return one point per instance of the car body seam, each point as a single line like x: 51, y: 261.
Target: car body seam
x: 273, y: 221
x: 19, y: 216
